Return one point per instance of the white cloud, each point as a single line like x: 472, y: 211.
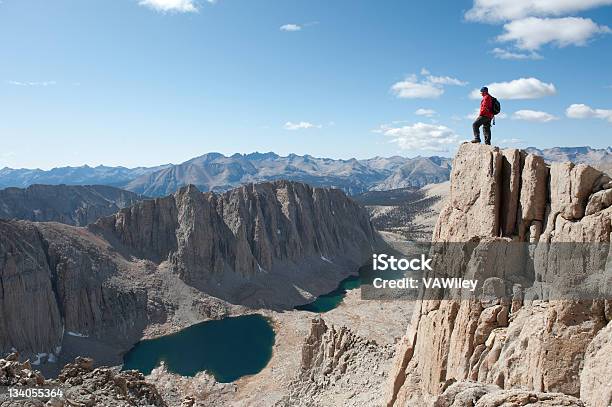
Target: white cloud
x: 291, y: 27
x: 43, y: 83
x: 533, y: 116
x: 177, y: 6
x: 502, y: 53
x: 445, y: 80
x: 421, y: 136
x: 425, y: 112
x: 428, y: 87
x: 582, y: 111
x: 301, y: 126
x: 504, y: 10
x: 532, y: 32
x: 522, y: 88
x: 411, y: 89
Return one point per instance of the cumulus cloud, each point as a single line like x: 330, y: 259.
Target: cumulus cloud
x: 291, y: 27
x: 176, y: 6
x: 504, y: 10
x: 425, y: 112
x: 532, y: 33
x: 421, y: 136
x: 532, y: 24
x: 582, y: 111
x: 301, y: 126
x: 533, y: 116
x: 426, y: 87
x: 502, y: 53
x: 42, y: 83
x: 445, y: 80
x: 411, y: 89
x: 522, y: 88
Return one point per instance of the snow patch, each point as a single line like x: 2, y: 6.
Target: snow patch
x: 77, y: 334
x: 326, y: 259
x: 38, y: 359
x: 261, y: 269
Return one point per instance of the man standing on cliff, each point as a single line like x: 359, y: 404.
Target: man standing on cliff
x: 484, y: 117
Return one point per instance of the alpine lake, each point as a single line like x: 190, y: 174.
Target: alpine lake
x: 229, y: 348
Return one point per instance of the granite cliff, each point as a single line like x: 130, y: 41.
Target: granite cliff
x: 526, y: 344
x: 174, y: 260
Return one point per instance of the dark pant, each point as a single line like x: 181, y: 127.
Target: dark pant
x: 485, y: 122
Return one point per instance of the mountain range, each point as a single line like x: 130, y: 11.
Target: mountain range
x: 76, y: 205
x: 217, y: 172
x: 600, y: 158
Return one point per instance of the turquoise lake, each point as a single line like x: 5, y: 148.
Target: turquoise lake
x: 329, y: 301
x: 228, y: 349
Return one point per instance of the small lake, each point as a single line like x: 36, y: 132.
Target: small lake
x: 331, y: 300
x: 229, y: 349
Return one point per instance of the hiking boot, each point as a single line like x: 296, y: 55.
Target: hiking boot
x: 475, y: 141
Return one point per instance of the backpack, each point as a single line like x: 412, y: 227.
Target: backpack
x: 496, y: 106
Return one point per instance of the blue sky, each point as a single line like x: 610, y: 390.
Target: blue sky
x: 145, y: 82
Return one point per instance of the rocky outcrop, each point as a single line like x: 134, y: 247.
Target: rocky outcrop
x: 529, y: 241
x: 81, y: 385
x: 268, y: 245
x: 339, y: 368
x: 70, y: 204
x: 488, y: 395
x: 475, y: 197
x: 595, y: 379
x: 198, y: 391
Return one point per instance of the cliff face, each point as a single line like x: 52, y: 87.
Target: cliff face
x: 268, y: 234
x: 267, y: 245
x: 524, y: 337
x: 57, y: 279
x: 69, y: 204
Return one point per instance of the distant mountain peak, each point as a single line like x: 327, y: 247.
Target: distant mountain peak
x: 262, y: 156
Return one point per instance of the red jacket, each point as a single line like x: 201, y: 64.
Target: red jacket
x: 486, y: 106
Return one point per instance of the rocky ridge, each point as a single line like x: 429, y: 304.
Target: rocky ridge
x: 76, y: 205
x: 523, y: 347
x: 81, y: 385
x: 339, y: 368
